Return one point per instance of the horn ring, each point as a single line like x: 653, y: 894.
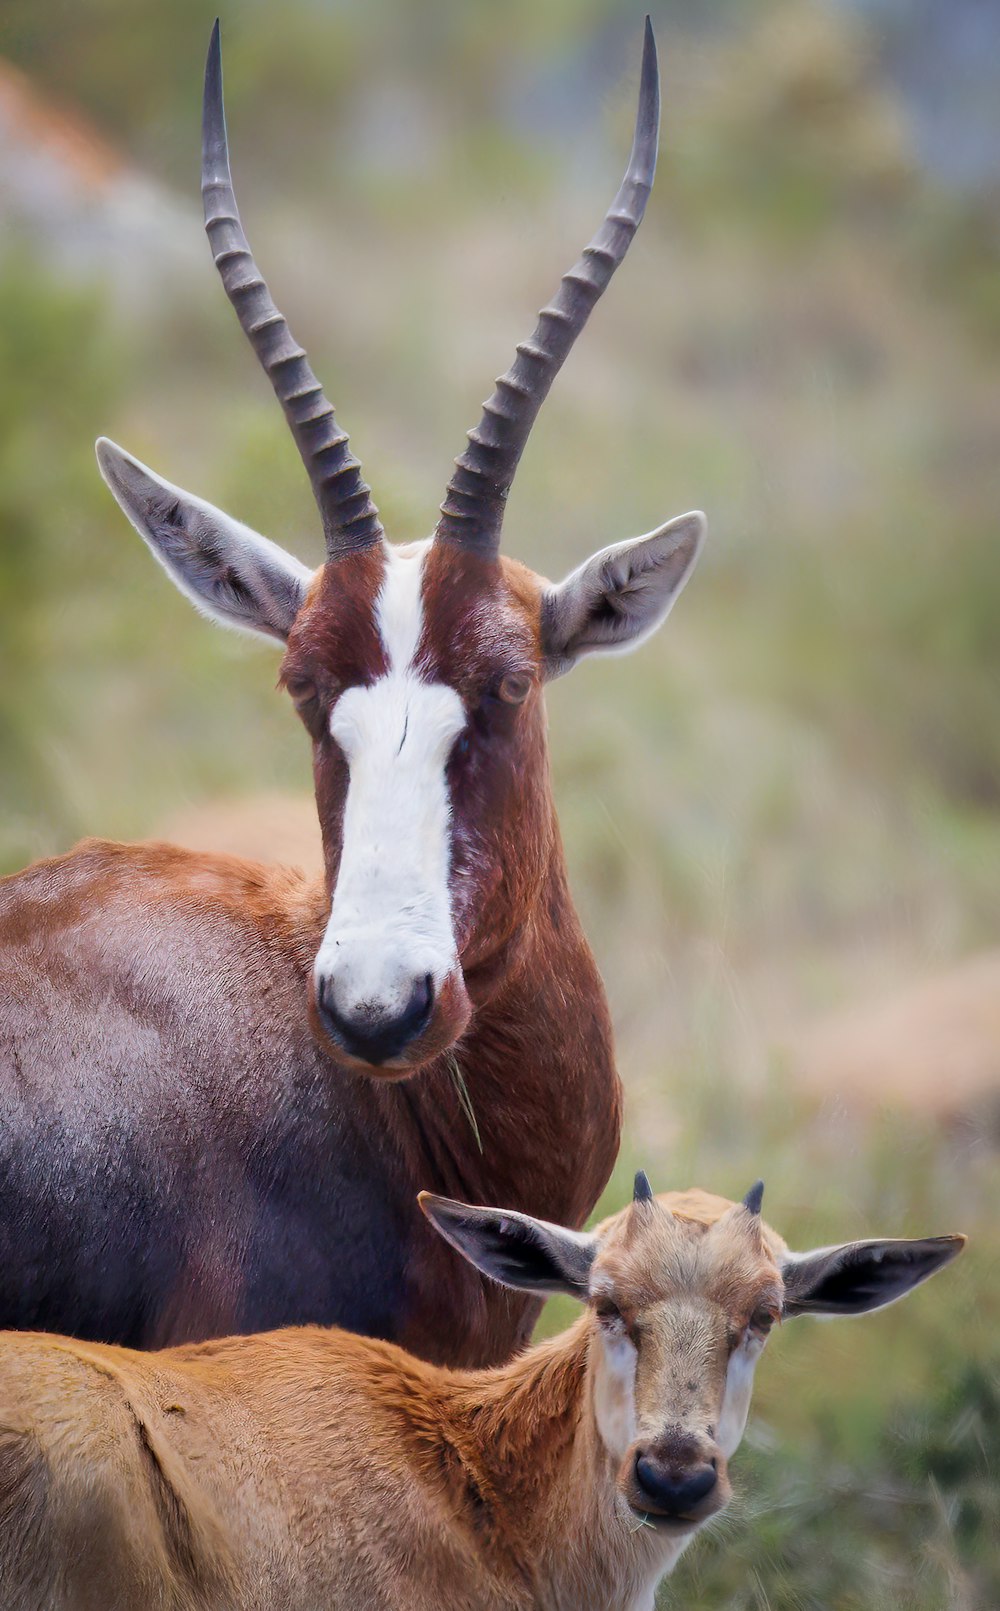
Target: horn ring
x: 473, y: 508
x: 350, y: 518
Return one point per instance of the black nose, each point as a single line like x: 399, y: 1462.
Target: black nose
x: 370, y: 1033
x: 673, y: 1490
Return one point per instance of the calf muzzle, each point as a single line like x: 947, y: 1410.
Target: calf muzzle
x: 680, y: 1491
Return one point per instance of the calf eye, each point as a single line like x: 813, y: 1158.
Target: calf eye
x: 762, y: 1320
x: 611, y: 1319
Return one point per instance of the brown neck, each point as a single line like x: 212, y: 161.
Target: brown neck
x: 530, y: 1476
x: 515, y: 1427
x: 526, y: 1110
x: 524, y: 1113
x: 500, y: 1444
x: 527, y: 1473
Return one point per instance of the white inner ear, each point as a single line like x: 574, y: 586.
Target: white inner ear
x: 614, y: 1388
x: 274, y: 579
x: 738, y: 1393
x: 255, y: 557
x: 621, y: 595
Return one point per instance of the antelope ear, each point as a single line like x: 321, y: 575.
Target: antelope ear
x: 620, y: 596
x: 230, y: 573
x: 861, y: 1276
x: 528, y: 1254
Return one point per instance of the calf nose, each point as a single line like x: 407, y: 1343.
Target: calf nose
x: 671, y: 1489
x: 370, y: 1032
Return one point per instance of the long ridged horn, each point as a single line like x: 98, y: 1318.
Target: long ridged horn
x: 350, y: 518
x: 473, y: 507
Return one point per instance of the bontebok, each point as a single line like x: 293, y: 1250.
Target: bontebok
x: 417, y: 670
x: 209, y: 1055
x: 310, y: 1468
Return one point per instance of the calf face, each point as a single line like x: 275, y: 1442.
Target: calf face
x: 683, y: 1292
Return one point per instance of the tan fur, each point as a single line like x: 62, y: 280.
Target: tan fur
x: 307, y: 1468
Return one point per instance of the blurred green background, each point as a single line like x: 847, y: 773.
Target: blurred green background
x: 782, y: 812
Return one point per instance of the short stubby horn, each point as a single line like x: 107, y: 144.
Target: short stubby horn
x: 642, y: 1191
x: 753, y: 1201
x: 350, y: 518
x: 473, y: 507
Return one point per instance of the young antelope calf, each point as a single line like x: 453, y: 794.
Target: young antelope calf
x: 307, y: 1468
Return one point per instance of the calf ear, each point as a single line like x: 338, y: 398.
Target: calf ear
x: 528, y: 1254
x: 228, y: 572
x: 860, y: 1276
x: 619, y: 596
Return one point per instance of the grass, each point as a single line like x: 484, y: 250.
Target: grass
x: 787, y: 800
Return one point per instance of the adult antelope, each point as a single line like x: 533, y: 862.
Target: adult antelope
x: 192, y: 1141
x: 311, y: 1468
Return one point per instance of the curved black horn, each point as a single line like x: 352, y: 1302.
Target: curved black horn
x: 350, y: 519
x: 754, y: 1198
x: 473, y: 507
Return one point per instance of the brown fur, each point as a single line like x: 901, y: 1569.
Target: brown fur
x: 168, y: 995
x: 307, y: 1468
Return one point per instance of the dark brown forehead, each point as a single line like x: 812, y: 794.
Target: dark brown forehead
x: 699, y: 1249
x: 481, y: 617
x: 337, y: 632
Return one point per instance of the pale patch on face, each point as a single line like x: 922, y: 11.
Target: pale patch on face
x: 614, y: 1388
x: 390, y: 922
x: 738, y: 1393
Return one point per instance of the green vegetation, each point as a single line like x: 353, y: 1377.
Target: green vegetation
x: 792, y: 796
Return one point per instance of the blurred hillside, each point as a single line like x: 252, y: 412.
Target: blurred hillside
x: 73, y: 203
x: 785, y: 805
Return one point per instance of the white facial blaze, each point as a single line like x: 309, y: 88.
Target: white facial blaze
x: 390, y: 919
x: 614, y: 1389
x: 738, y: 1392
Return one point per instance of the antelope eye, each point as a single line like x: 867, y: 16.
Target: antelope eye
x: 515, y: 687
x: 762, y: 1320
x: 608, y: 1312
x: 302, y: 690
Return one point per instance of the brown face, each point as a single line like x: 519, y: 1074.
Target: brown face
x: 685, y: 1290
x: 417, y: 672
